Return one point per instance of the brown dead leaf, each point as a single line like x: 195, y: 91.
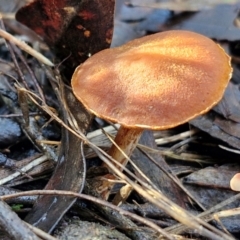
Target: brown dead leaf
x: 75, y: 29
x: 217, y: 177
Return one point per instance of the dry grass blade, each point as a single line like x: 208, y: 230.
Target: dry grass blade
x: 228, y: 213
x: 176, y: 137
x: 41, y: 233
x: 229, y: 149
x: 207, y: 215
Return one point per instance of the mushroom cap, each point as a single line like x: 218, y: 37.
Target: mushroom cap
x: 235, y: 182
x: 154, y: 82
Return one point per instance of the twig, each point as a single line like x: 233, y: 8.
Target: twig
x: 177, y: 137
x: 26, y: 48
x: 178, y: 228
x: 40, y: 233
x: 34, y: 79
x: 24, y: 169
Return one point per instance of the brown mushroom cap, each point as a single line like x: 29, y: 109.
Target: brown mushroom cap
x: 156, y: 82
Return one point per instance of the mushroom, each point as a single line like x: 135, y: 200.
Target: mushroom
x: 155, y: 82
x: 235, y: 182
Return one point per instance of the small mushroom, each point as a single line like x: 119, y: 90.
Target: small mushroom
x: 235, y: 182
x: 156, y: 82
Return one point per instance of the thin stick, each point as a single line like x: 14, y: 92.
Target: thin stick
x: 33, y: 76
x: 26, y: 48
x: 40, y: 233
x: 26, y: 168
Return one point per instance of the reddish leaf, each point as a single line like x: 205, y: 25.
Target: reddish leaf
x: 72, y: 27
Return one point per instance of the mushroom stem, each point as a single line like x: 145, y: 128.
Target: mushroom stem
x: 126, y: 139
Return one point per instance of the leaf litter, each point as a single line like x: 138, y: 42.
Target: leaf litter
x: 221, y: 121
